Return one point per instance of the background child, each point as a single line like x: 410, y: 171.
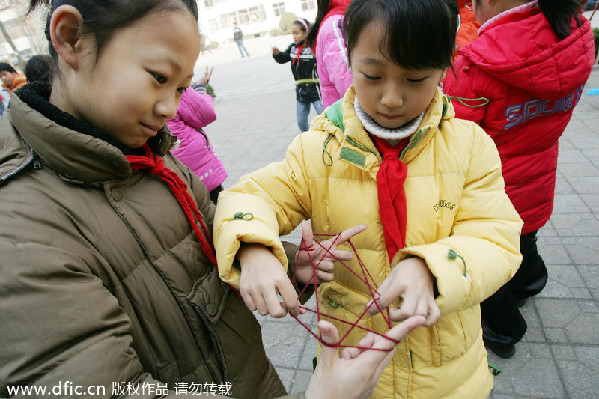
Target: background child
x: 442, y: 234
x: 107, y: 273
x: 303, y: 68
x: 39, y: 68
x: 327, y: 42
x: 532, y: 85
x: 196, y: 111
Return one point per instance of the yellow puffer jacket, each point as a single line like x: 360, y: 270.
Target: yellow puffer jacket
x: 456, y: 204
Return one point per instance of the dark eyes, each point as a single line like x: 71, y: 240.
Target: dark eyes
x: 371, y: 77
x: 161, y: 79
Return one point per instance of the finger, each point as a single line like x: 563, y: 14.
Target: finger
x: 399, y: 332
x: 261, y: 306
x: 385, y: 294
x: 274, y: 306
x: 338, y: 254
x: 248, y: 300
x: 289, y: 296
x: 401, y: 314
x: 434, y: 314
x: 330, y: 336
x: 324, y: 277
x: 349, y: 233
x: 307, y: 233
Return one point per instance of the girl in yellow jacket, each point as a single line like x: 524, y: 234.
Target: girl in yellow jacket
x: 441, y: 233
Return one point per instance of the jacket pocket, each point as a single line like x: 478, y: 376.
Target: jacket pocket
x: 209, y: 296
x: 338, y: 302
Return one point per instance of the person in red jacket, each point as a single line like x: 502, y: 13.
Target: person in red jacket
x: 469, y: 26
x: 522, y: 78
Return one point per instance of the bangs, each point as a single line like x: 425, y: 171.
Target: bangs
x: 416, y: 34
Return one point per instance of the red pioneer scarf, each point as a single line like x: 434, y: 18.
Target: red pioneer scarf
x: 392, y: 197
x: 155, y: 166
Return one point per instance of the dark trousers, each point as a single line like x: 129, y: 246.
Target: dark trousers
x: 214, y: 193
x: 501, y: 319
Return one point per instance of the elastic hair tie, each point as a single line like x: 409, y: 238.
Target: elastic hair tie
x: 301, y: 21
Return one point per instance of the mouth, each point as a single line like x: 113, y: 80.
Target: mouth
x: 150, y: 130
x: 390, y: 117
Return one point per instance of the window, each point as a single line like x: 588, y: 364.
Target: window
x: 307, y: 5
x: 279, y: 9
x: 257, y: 14
x: 208, y: 3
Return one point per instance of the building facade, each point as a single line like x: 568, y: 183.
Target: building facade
x: 254, y: 17
x: 21, y: 35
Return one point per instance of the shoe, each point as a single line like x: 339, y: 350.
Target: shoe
x: 504, y: 351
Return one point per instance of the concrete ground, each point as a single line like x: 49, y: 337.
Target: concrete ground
x: 559, y: 356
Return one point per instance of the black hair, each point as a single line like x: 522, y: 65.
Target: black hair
x: 301, y: 25
x: 102, y: 17
x: 322, y: 6
x: 39, y: 69
x: 418, y: 34
x: 559, y: 13
x: 4, y: 66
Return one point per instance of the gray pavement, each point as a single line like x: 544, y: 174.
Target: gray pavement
x: 559, y: 355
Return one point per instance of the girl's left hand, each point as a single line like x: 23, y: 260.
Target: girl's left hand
x: 412, y: 281
x: 323, y: 255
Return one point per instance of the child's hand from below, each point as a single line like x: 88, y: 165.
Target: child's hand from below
x: 354, y: 373
x: 323, y: 255
x: 275, y: 51
x: 262, y: 278
x: 411, y: 280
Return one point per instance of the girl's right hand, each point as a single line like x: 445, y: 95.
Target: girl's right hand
x: 275, y: 51
x: 355, y: 374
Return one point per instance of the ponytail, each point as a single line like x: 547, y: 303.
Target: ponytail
x: 559, y: 13
x: 323, y: 6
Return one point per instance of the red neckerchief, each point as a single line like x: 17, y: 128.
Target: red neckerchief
x: 155, y: 166
x: 392, y: 197
x: 299, y: 53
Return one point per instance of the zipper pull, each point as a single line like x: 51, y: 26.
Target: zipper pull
x: 37, y: 164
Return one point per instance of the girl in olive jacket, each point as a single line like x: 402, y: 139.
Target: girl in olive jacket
x: 441, y: 233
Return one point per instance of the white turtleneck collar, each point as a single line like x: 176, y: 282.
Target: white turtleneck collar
x: 392, y: 135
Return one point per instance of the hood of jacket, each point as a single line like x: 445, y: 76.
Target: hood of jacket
x: 78, y: 151
x: 520, y: 48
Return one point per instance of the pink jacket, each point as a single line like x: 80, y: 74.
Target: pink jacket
x: 194, y: 149
x: 532, y: 80
x: 331, y: 61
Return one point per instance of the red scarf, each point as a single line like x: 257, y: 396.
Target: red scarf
x: 155, y: 166
x: 392, y: 197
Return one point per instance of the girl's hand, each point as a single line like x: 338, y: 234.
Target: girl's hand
x: 412, y: 281
x: 262, y: 278
x: 355, y: 374
x: 323, y: 255
x: 205, y: 79
x: 275, y: 51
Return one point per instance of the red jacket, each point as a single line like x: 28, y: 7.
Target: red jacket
x: 532, y: 80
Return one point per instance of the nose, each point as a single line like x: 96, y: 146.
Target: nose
x: 166, y: 107
x: 392, y: 95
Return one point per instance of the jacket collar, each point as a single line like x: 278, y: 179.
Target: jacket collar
x: 69, y: 146
x: 356, y: 146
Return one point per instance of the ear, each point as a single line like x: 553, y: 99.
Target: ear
x: 66, y: 26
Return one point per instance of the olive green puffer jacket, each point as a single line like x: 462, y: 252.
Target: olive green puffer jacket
x: 102, y: 281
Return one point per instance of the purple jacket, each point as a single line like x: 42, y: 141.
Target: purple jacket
x: 331, y: 61
x: 195, y: 151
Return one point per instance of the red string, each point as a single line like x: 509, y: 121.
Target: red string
x: 366, y: 278
x: 155, y: 165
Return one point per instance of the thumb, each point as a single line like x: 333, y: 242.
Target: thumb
x: 307, y: 234
x: 330, y: 336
